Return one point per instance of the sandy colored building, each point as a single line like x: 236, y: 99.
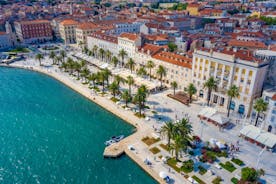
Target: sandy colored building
x: 230, y: 67
x: 85, y: 29
x: 67, y: 30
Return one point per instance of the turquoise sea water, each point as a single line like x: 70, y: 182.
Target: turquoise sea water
x: 51, y: 134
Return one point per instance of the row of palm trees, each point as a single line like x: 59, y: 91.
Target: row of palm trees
x: 102, y: 78
x: 178, y: 135
x: 106, y: 55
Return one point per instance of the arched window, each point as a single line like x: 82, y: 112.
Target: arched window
x: 201, y: 93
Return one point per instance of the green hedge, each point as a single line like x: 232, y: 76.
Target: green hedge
x: 228, y: 166
x: 198, y: 180
x: 234, y: 180
x: 237, y: 161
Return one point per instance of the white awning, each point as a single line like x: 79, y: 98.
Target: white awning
x: 219, y: 118
x: 207, y: 112
x: 266, y: 138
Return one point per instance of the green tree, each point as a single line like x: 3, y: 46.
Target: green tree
x: 63, y: 55
x: 260, y: 106
x: 107, y: 73
x: 52, y: 56
x: 178, y: 145
x: 169, y: 131
x: 122, y: 54
x: 172, y: 47
x: 233, y: 92
x: 114, y: 88
x: 70, y: 65
x: 140, y: 98
x: 210, y: 84
x: 39, y: 57
x: 77, y: 67
x: 174, y: 86
x: 250, y: 174
x: 58, y: 59
x: 130, y: 64
x: 126, y: 96
x: 141, y: 72
x: 101, y: 79
x: 85, y: 73
x: 101, y: 53
x: 115, y: 61
x: 118, y: 79
x: 150, y: 65
x: 93, y: 77
x: 161, y: 71
x: 130, y: 81
x: 108, y: 55
x: 191, y: 90
x: 94, y: 50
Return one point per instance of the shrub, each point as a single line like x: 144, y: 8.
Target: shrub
x: 188, y: 166
x: 237, y: 161
x: 217, y: 180
x: 234, y: 180
x: 198, y: 180
x: 228, y: 166
x: 191, y: 153
x: 155, y: 150
x: 149, y: 141
x: 202, y: 170
x: 249, y: 174
x: 165, y: 147
x: 208, y: 156
x: 172, y: 163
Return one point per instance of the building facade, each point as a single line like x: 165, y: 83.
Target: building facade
x: 83, y: 30
x: 67, y: 30
x: 5, y: 41
x: 229, y: 67
x: 34, y: 31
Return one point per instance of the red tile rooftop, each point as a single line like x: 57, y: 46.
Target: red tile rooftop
x: 101, y: 35
x: 248, y: 44
x: 69, y: 22
x: 129, y: 36
x: 34, y: 21
x: 174, y: 59
x: 274, y: 97
x: 151, y: 49
x: 86, y: 26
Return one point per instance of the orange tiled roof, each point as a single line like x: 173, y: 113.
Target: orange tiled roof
x: 274, y: 97
x: 152, y: 49
x: 34, y: 21
x: 249, y: 44
x: 69, y: 22
x: 129, y: 36
x: 174, y: 59
x: 89, y: 25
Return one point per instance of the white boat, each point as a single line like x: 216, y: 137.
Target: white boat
x: 117, y: 138
x: 109, y: 142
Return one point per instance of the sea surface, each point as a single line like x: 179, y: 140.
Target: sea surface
x: 51, y: 134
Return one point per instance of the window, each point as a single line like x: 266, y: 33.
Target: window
x: 250, y: 73
x: 274, y: 111
x: 237, y: 69
x: 243, y: 71
x: 235, y: 78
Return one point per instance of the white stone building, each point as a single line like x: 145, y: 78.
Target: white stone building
x: 229, y: 67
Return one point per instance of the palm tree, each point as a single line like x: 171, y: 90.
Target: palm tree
x: 92, y: 77
x: 64, y: 66
x: 52, y: 56
x: 115, y: 61
x: 130, y: 64
x: 85, y: 73
x: 94, y: 50
x: 178, y: 145
x: 130, y: 81
x: 161, y: 71
x: 70, y: 64
x: 77, y: 67
x: 108, y: 55
x: 145, y: 91
x: 259, y: 106
x: 169, y: 130
x: 63, y: 55
x: 174, y: 86
x: 118, y: 79
x: 184, y: 127
x: 101, y: 53
x: 39, y: 57
x: 233, y: 92
x: 150, y: 65
x: 107, y: 73
x: 139, y: 98
x: 114, y: 88
x: 126, y: 96
x: 122, y: 54
x: 210, y: 84
x: 58, y: 59
x: 191, y: 90
x: 101, y: 78
x: 141, y: 72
